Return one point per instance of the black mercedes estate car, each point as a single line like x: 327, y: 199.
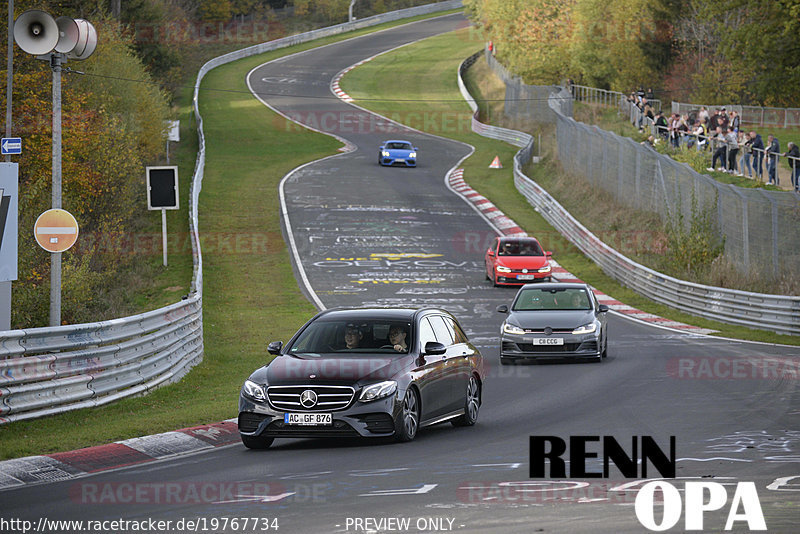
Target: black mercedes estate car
x: 371, y: 372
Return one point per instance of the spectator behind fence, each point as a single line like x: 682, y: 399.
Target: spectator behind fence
x: 732, y: 142
x: 735, y: 121
x: 713, y: 122
x: 720, y: 150
x: 702, y: 115
x: 771, y: 153
x: 662, y: 127
x: 794, y: 164
x: 746, y: 142
x: 724, y: 120
x: 758, y: 154
x: 700, y: 130
x: 674, y: 135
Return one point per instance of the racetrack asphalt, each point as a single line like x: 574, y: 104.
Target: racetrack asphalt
x: 368, y: 235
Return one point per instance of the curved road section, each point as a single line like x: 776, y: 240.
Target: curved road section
x: 367, y: 235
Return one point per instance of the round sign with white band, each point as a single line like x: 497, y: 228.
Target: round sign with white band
x: 56, y: 230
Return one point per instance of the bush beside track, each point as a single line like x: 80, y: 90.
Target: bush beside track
x: 431, y: 99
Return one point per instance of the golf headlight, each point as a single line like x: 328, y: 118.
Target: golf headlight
x: 251, y: 389
x: 585, y: 329
x: 378, y: 391
x: 545, y: 269
x: 385, y: 153
x: 412, y: 155
x: 501, y: 269
x: 509, y: 328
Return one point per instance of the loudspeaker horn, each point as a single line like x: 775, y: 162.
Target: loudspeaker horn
x: 87, y: 40
x: 68, y: 35
x: 36, y: 32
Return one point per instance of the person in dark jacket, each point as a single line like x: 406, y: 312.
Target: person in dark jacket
x: 771, y: 153
x: 794, y: 164
x: 758, y: 154
x: 662, y: 127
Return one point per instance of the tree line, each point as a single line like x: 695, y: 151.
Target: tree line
x: 735, y: 51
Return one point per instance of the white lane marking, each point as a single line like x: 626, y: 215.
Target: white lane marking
x: 778, y: 483
x: 257, y: 498
x: 426, y: 488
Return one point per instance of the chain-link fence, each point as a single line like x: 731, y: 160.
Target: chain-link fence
x: 761, y: 228
x: 528, y: 101
x: 778, y: 313
x: 604, y: 97
x: 751, y: 115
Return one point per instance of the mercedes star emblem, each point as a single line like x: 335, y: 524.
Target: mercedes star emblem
x: 308, y: 399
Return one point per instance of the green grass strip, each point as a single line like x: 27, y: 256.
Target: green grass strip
x: 430, y: 101
x: 250, y: 294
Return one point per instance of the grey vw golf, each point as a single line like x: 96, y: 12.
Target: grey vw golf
x: 364, y: 372
x: 554, y: 320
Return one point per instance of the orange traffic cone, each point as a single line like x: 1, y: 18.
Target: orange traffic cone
x: 496, y: 163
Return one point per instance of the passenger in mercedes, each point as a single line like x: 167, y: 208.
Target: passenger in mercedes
x: 397, y: 337
x: 352, y: 336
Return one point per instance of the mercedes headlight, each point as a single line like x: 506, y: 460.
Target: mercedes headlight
x: 545, y: 269
x: 509, y: 328
x: 501, y: 269
x: 385, y: 153
x: 255, y: 391
x: 378, y: 391
x: 585, y: 329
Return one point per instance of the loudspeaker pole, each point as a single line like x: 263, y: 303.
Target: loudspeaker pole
x: 5, y: 287
x: 56, y: 60
x: 38, y: 33
x: 10, y: 70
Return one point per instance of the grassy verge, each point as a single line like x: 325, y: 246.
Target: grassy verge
x: 250, y: 293
x: 374, y: 85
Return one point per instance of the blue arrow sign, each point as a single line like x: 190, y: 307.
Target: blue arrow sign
x: 11, y: 145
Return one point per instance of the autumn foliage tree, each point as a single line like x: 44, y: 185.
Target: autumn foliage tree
x: 112, y: 126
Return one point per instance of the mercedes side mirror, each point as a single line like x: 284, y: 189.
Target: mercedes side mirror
x: 434, y: 348
x: 502, y: 308
x: 602, y: 308
x: 275, y: 347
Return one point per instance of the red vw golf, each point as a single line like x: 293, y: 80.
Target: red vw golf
x: 517, y: 260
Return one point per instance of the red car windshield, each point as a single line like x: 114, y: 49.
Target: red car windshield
x: 520, y: 248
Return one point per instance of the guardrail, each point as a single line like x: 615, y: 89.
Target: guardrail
x: 778, y: 313
x: 44, y: 371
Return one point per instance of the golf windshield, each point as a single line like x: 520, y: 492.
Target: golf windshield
x: 552, y: 299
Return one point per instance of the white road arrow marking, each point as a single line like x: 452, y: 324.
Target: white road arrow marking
x: 410, y: 491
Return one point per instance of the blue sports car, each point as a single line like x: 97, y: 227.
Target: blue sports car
x: 397, y: 153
